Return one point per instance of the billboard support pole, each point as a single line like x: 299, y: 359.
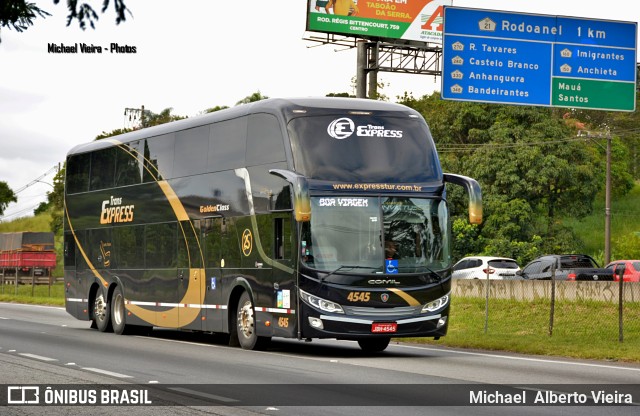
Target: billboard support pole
x: 373, y: 56
x: 361, y: 72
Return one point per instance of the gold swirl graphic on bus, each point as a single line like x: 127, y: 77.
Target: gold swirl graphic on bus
x: 195, y: 291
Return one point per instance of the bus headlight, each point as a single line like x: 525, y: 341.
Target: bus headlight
x: 322, y: 304
x: 436, y: 304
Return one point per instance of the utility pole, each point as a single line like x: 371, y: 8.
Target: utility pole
x: 607, y: 206
x: 607, y: 191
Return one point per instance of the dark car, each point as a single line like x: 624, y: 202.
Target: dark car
x: 566, y: 267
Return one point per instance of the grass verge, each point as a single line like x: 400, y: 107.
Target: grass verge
x: 584, y: 330
x: 38, y: 295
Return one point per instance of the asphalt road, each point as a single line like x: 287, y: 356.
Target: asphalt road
x: 184, y: 373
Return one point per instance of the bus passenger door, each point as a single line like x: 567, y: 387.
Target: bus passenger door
x: 191, y: 276
x: 211, y: 242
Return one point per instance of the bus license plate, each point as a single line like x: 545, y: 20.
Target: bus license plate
x: 384, y: 327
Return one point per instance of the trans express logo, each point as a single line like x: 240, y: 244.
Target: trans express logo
x: 341, y: 128
x: 344, y: 127
x: 114, y: 211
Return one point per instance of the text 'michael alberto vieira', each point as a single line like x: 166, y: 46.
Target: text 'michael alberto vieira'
x: 547, y: 397
x: 90, y: 48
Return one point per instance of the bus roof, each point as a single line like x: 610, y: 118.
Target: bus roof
x: 281, y: 106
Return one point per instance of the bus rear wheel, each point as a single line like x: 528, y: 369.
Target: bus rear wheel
x: 374, y: 344
x: 246, y: 325
x: 118, y: 319
x: 102, y: 313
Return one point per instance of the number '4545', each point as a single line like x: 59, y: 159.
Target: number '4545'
x: 359, y: 296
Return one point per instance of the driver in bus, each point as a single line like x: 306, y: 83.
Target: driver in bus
x: 391, y: 250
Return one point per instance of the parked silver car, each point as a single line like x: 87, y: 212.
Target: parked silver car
x: 477, y: 267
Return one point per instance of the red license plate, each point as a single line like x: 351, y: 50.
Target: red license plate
x: 384, y: 327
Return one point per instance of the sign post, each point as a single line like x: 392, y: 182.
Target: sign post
x: 516, y: 58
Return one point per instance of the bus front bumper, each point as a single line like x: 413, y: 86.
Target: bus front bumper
x: 323, y: 325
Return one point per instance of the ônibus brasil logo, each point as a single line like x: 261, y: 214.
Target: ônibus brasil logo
x: 341, y: 128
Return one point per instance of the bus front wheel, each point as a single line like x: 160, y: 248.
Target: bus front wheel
x: 246, y: 325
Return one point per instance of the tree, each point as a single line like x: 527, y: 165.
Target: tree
x: 6, y: 196
x: 533, y: 169
x: 216, y: 108
x: 56, y: 201
x: 150, y: 118
x: 20, y: 14
x: 42, y: 208
x: 256, y: 96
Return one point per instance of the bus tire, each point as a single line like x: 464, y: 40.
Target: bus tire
x: 246, y: 325
x: 118, y: 311
x: 374, y: 344
x: 102, y: 313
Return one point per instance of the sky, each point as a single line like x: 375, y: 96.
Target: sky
x: 190, y: 55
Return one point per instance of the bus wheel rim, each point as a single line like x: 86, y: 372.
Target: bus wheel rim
x: 100, y: 308
x: 246, y: 320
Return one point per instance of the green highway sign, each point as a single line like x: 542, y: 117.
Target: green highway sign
x: 517, y: 58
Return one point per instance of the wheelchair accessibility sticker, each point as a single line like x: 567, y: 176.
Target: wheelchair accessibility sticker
x: 391, y: 266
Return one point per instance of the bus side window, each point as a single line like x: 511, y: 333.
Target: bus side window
x: 100, y: 248
x: 282, y: 238
x: 160, y: 242
x: 69, y: 251
x: 192, y: 147
x: 128, y: 242
x: 231, y: 236
x: 78, y: 173
x: 128, y: 169
x: 211, y: 241
x: 227, y: 145
x: 103, y: 168
x: 265, y: 143
x: 158, y: 157
x: 188, y: 249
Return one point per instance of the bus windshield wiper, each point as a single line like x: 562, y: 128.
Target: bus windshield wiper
x: 420, y: 269
x: 346, y: 267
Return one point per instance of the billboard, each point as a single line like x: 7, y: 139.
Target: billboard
x: 414, y: 20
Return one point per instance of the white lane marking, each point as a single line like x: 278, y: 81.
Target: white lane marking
x: 509, y: 357
x: 204, y: 395
x: 37, y: 357
x: 33, y: 306
x: 6, y: 319
x: 105, y: 372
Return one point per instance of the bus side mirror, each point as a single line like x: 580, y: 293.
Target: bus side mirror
x: 301, y: 199
x: 475, y: 195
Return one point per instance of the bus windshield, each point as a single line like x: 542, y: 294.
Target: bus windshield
x: 364, y: 148
x: 390, y: 235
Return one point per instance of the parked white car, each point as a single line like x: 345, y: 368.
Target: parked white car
x: 477, y: 267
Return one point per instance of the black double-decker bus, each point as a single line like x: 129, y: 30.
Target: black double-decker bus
x: 297, y: 218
